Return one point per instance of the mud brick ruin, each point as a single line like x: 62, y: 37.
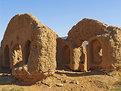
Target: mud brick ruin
x: 33, y: 51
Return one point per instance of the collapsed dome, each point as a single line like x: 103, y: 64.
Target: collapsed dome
x: 103, y: 49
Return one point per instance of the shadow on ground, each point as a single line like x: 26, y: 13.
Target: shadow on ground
x: 7, y: 79
x: 76, y: 74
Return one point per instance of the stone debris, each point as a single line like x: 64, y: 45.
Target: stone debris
x: 76, y: 82
x: 47, y: 84
x: 59, y: 85
x: 65, y: 81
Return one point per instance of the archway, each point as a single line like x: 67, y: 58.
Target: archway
x: 66, y: 55
x: 27, y: 51
x: 17, y: 58
x: 96, y: 52
x: 6, y: 57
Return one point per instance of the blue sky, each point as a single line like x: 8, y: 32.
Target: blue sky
x: 61, y: 15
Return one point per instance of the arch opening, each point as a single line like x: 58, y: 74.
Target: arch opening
x: 6, y: 57
x: 85, y: 43
x: 96, y: 52
x: 66, y: 55
x: 27, y: 51
x: 84, y: 52
x: 17, y: 58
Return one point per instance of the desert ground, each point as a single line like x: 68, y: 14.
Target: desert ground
x: 66, y: 80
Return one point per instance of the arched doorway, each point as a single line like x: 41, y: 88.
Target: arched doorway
x: 95, y: 54
x: 27, y: 51
x: 66, y: 55
x: 17, y: 58
x: 6, y: 62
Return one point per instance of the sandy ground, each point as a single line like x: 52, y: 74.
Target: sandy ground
x: 66, y: 81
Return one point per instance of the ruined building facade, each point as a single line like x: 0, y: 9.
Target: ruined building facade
x: 33, y: 51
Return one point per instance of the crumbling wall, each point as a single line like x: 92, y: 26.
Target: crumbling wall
x: 42, y: 58
x: 64, y: 53
x: 103, y: 49
x: 17, y: 58
x: 18, y: 32
x: 0, y: 57
x: 99, y: 53
x: 78, y: 61
x: 86, y: 29
x: 115, y: 44
x: 69, y: 55
x: 32, y: 48
x: 6, y: 62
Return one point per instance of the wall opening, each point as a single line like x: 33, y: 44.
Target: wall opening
x: 6, y: 57
x: 82, y: 57
x: 27, y: 51
x: 66, y: 55
x: 85, y: 43
x: 96, y: 50
x: 17, y: 58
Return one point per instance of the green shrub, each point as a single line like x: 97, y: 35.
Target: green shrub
x: 12, y: 89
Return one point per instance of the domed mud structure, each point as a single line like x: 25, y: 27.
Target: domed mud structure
x: 103, y: 50
x: 31, y: 50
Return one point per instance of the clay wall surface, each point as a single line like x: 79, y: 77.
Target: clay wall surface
x: 29, y: 48
x: 64, y: 54
x: 78, y: 61
x: 33, y: 51
x: 103, y: 49
x: 70, y: 56
x: 18, y: 32
x: 86, y: 29
x: 0, y: 57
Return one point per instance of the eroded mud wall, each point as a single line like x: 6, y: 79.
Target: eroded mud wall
x: 0, y: 57
x: 64, y: 54
x: 31, y: 47
x: 103, y: 52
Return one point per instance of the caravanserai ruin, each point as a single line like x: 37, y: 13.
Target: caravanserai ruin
x: 32, y: 51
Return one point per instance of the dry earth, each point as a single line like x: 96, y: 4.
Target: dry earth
x: 66, y: 81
